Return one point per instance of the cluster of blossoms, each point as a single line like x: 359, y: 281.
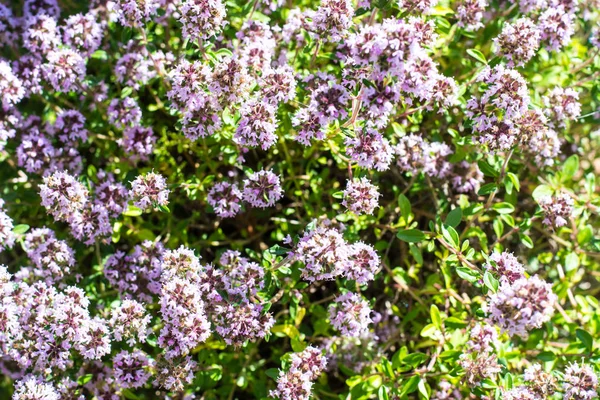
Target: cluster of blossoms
x: 518, y: 42
x: 296, y: 383
x: 481, y: 361
x: 260, y: 189
x: 326, y: 255
x: 360, y: 196
x: 522, y: 305
x: 557, y: 209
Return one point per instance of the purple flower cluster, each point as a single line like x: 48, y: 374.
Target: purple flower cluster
x: 480, y: 361
x: 326, y: 255
x: 506, y: 266
x: 580, y: 382
x: 557, y: 209
x: 522, y: 305
x: 350, y: 314
x: 262, y: 189
x: 149, y: 191
x: 296, y: 383
x: 361, y: 196
x: 518, y: 42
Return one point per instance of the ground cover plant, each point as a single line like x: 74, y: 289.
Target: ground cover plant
x: 207, y: 199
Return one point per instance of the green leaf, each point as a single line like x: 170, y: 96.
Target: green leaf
x: 570, y: 167
x: 451, y: 236
x: 454, y: 217
x: 436, y: 318
x: 526, y: 241
x: 289, y: 330
x: 129, y: 394
x: 541, y: 192
x: 585, y: 338
x: 467, y: 274
x: 82, y: 380
x: 503, y: 208
x: 164, y: 209
x: 20, y: 229
x: 490, y: 281
x: 338, y: 195
x: 571, y: 262
x: 487, y: 189
x: 423, y: 388
x: 99, y: 55
x: 487, y: 169
x: 546, y: 356
x: 415, y: 359
x: 416, y: 253
x: 405, y: 208
x: 515, y: 180
x: 272, y: 373
x: 410, y: 235
x: 410, y: 385
x: 132, y: 211
x: 478, y: 55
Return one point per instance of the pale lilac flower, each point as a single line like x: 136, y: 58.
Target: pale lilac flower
x: 53, y: 260
x: 129, y: 322
x: 11, y: 87
x: 149, y: 191
x: 580, y: 382
x: 131, y: 370
x: 540, y: 382
x: 187, y: 81
x: 83, y: 33
x: 521, y: 306
x: 518, y: 42
x: 226, y: 199
x: 556, y: 26
x: 466, y: 177
x: 40, y: 35
x: 94, y: 342
x: 111, y: 195
x: 91, y: 224
x: 201, y: 19
x: 239, y: 323
x: 62, y: 195
x: 480, y: 360
x: 369, y: 149
x: 33, y: 388
x: 138, y: 142
x: 262, y: 189
x: 201, y: 117
x: 361, y: 196
x: 562, y: 105
x: 308, y: 125
x: 422, y: 6
x: 470, y: 14
x: 28, y: 68
x: 557, y: 209
x: 175, y: 374
x: 230, y: 81
x: 324, y: 253
x: 8, y: 23
x: 65, y: 70
x: 135, y: 13
x: 7, y: 237
x: 69, y: 127
x: 350, y: 314
x: 278, y: 85
x: 506, y: 266
x: 332, y: 19
x: 38, y: 7
x: 329, y: 101
x: 123, y: 113
x: 520, y: 393
x: 364, y: 263
x: 257, y: 125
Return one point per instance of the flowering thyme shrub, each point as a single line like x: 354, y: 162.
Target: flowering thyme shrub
x: 299, y: 199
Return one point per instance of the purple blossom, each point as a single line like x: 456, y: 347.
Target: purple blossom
x: 580, y: 382
x: 131, y: 370
x: 369, y: 149
x: 332, y: 19
x: 239, y: 323
x: 7, y: 237
x: 62, y: 195
x: 134, y: 13
x: 53, y: 260
x: 10, y: 86
x: 69, y: 127
x: 201, y: 19
x: 124, y: 113
x: 350, y: 314
x: 540, y: 382
x: 557, y: 209
x: 129, y: 322
x: 149, y: 191
x: 230, y: 81
x: 187, y: 81
x: 40, y: 35
x: 361, y: 196
x: 522, y: 305
x: 556, y: 26
x: 518, y: 42
x: 90, y: 224
x: 175, y: 374
x: 278, y: 85
x: 33, y: 388
x: 364, y: 263
x: 329, y: 102
x: 111, y: 195
x: 470, y: 14
x: 506, y: 266
x: 324, y: 253
x: 562, y: 105
x: 83, y: 33
x: 201, y: 117
x: 262, y: 189
x: 257, y: 125
x: 138, y: 142
x: 65, y: 70
x: 308, y: 125
x: 38, y: 7
x: 226, y: 199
